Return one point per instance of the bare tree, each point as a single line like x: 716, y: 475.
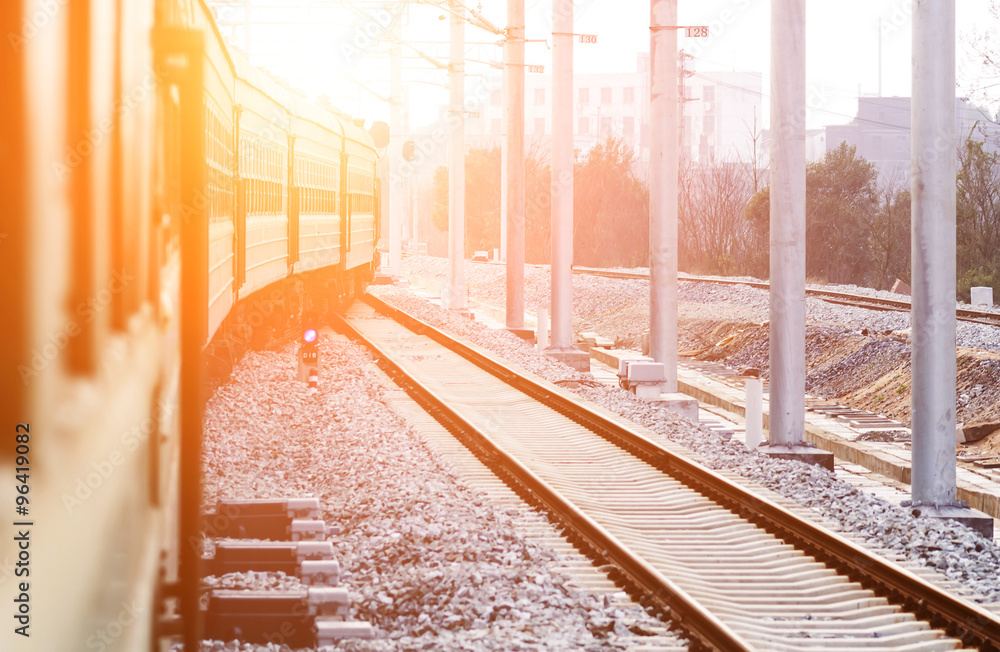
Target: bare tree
x: 756, y: 162
x: 889, y: 229
x: 986, y: 48
x: 714, y: 233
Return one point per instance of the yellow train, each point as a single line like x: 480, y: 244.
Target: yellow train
x: 165, y: 205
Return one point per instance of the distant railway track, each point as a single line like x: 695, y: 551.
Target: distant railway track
x: 727, y: 562
x: 842, y: 298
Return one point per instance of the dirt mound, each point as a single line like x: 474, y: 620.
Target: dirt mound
x: 866, y: 371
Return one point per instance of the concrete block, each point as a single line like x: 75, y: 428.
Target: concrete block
x: 329, y: 631
x: 680, y: 404
x: 526, y: 334
x: 982, y: 296
x: 314, y: 551
x: 807, y: 454
x: 647, y: 391
x: 320, y: 573
x: 588, y: 341
x: 303, y: 507
x: 623, y: 364
x: 899, y: 287
x: 576, y: 359
x: 329, y: 601
x: 972, y: 518
x: 653, y: 372
x: 308, y: 530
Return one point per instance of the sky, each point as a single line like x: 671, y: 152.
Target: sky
x: 842, y: 47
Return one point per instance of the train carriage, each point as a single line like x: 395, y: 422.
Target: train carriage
x: 316, y: 174
x: 159, y: 191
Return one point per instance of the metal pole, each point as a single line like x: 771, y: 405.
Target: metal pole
x: 503, y: 158
x: 395, y: 154
x: 514, y: 141
x: 456, y: 161
x: 562, y: 176
x: 664, y: 143
x: 788, y: 222
x: 933, y: 244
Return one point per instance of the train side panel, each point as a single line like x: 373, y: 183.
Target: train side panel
x: 316, y: 175
x: 91, y: 370
x: 263, y: 167
x: 220, y: 85
x: 361, y: 174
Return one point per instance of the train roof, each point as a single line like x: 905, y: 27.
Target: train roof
x: 298, y: 107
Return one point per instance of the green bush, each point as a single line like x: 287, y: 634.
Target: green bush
x: 983, y: 276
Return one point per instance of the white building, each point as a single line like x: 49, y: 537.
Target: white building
x: 719, y: 112
x: 881, y: 133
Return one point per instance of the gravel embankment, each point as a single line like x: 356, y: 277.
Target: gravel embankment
x: 619, y: 307
x: 956, y: 551
x: 430, y: 563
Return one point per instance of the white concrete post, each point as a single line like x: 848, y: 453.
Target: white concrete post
x: 456, y: 162
x: 933, y: 245
x: 541, y: 329
x: 788, y: 222
x: 512, y: 241
x: 981, y: 296
x: 754, y: 412
x: 663, y: 132
x: 562, y: 176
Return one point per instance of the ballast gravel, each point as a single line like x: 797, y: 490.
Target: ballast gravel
x: 954, y: 550
x: 429, y: 563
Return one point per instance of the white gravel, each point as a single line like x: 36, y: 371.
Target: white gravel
x: 954, y: 550
x: 431, y: 564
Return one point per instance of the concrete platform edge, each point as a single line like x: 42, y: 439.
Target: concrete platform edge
x: 842, y: 449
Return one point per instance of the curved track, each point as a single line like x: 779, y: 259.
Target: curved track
x: 843, y: 298
x: 733, y: 566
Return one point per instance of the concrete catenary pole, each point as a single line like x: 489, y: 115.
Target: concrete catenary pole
x: 456, y: 161
x: 788, y: 222
x: 933, y: 245
x: 663, y: 132
x: 514, y: 147
x: 562, y: 176
x: 503, y: 161
x: 395, y: 153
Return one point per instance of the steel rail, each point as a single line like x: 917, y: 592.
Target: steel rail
x: 653, y: 585
x: 961, y: 618
x: 842, y: 298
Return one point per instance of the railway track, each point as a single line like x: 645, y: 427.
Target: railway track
x: 730, y: 564
x: 842, y: 298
